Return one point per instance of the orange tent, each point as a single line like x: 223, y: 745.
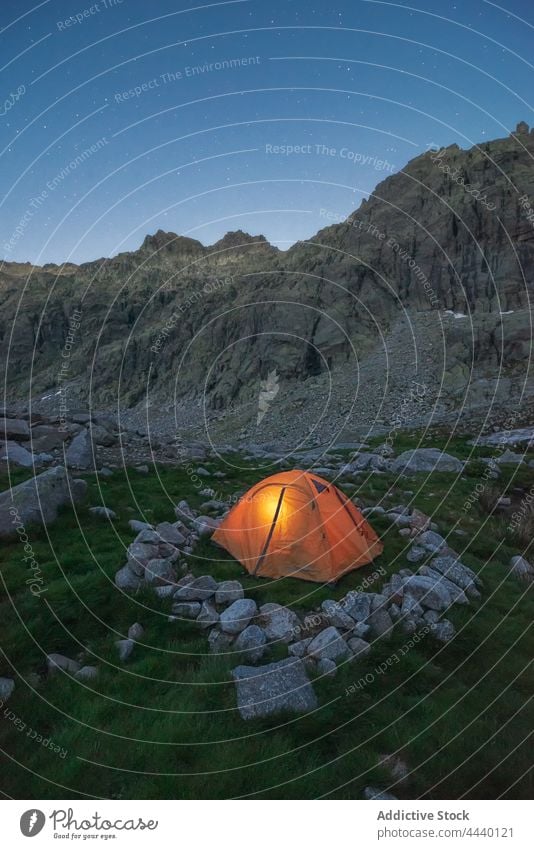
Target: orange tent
x: 297, y: 524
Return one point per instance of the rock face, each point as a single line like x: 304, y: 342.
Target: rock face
x: 274, y: 688
x: 422, y: 239
x: 38, y: 500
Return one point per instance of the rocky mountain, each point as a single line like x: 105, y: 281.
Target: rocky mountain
x: 427, y: 284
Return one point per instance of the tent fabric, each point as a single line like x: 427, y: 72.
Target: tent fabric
x: 296, y: 524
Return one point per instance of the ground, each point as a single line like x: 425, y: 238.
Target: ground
x: 165, y: 725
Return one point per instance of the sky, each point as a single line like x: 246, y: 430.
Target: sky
x: 122, y: 117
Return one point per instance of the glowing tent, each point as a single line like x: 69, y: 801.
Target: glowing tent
x: 297, y: 524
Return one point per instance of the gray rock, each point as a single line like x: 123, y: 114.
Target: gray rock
x: 416, y: 553
x: 457, y: 595
x: 522, y: 570
x: 159, y: 571
x: 80, y: 452
x: 273, y: 688
x: 7, y: 686
x: 208, y: 616
x: 142, y: 469
x: 431, y: 616
x: 37, y: 500
x: 358, y: 647
x: 125, y: 649
x: 228, y: 591
x: 509, y: 458
x: 326, y: 668
x: 328, y: 643
x: 59, y: 661
x: 357, y: 605
x: 443, y: 631
x: 335, y: 615
x: 14, y: 429
x: 431, y: 541
x: 165, y: 592
x: 148, y: 536
x: 206, y: 525
x: 87, y: 673
x: 138, y: 526
x: 458, y: 573
x: 252, y: 642
x: 299, y: 648
x: 127, y: 580
x: 202, y: 472
x: 279, y: 623
x: 139, y: 553
x: 427, y: 592
x: 411, y: 608
x: 380, y: 623
x: 425, y: 460
x: 103, y: 512
x: 171, y: 535
x: 236, y: 617
x: 17, y: 455
x: 135, y: 631
x: 219, y: 643
x: 197, y: 589
x: 186, y: 609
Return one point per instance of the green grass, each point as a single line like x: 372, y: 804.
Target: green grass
x: 164, y: 725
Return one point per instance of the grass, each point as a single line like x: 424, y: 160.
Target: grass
x: 164, y: 725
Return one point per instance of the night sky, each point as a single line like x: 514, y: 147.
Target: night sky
x: 355, y: 89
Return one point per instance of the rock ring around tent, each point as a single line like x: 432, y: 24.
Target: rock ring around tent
x: 296, y: 524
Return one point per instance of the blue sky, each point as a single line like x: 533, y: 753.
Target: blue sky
x: 121, y: 118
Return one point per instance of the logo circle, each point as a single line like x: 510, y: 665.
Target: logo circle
x: 32, y: 822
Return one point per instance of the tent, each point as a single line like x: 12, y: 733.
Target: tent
x: 297, y: 524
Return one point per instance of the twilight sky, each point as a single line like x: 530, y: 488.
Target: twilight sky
x: 120, y: 117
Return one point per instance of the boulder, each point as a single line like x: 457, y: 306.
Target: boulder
x: 206, y: 525
x: 127, y: 580
x: 208, y: 616
x: 159, y: 571
x: 273, y: 688
x: 87, y: 673
x: 170, y: 534
x: 416, y: 553
x: 522, y: 570
x: 186, y: 609
x: 7, y: 686
x: 197, y: 589
x: 252, y: 643
x: 358, y: 647
x: 431, y: 541
x: 101, y: 436
x: 380, y: 623
x: 458, y: 573
x: 137, y: 526
x: 427, y: 592
x: 509, y: 458
x: 139, y: 553
x: 457, y: 595
x: 228, y: 591
x: 124, y: 648
x: 16, y: 455
x: 326, y: 668
x: 103, y: 512
x: 37, y: 500
x: 328, y: 643
x: 59, y: 661
x: 135, y: 631
x: 335, y: 615
x: 443, y: 631
x: 279, y: 623
x: 357, y: 605
x: 426, y: 460
x: 80, y: 452
x: 14, y: 429
x: 299, y: 648
x: 236, y: 617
